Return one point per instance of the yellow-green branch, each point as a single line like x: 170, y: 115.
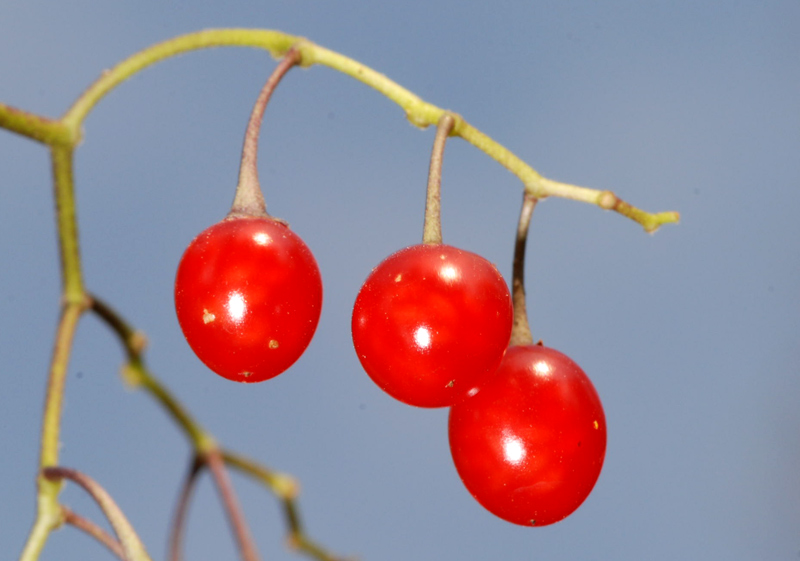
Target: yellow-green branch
x: 42, y: 129
x: 67, y: 223
x: 49, y: 515
x: 418, y: 111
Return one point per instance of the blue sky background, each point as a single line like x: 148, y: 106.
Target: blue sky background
x: 690, y: 335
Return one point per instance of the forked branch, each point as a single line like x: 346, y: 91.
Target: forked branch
x: 207, y: 453
x: 131, y: 545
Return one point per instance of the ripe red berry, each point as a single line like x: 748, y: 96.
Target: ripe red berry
x: 431, y: 322
x: 248, y: 295
x: 529, y: 445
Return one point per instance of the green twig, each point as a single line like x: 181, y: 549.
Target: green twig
x: 49, y: 515
x: 47, y: 131
x: 205, y: 447
x: 137, y: 375
x: 419, y: 112
x: 67, y: 223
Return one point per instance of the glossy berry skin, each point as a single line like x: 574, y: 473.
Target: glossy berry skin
x: 431, y: 322
x: 530, y: 444
x: 248, y: 295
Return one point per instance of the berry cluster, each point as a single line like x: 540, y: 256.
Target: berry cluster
x: 432, y: 327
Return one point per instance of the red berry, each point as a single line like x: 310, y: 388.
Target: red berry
x: 529, y: 445
x: 431, y: 322
x: 248, y: 295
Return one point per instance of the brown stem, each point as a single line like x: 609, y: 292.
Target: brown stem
x: 236, y: 517
x: 182, y: 509
x: 131, y: 545
x: 133, y: 341
x: 249, y: 199
x: 94, y: 531
x: 432, y: 230
x: 521, y: 332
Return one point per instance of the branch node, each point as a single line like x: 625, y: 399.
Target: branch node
x: 286, y: 486
x: 138, y: 342
x: 606, y: 200
x: 293, y: 541
x: 131, y: 376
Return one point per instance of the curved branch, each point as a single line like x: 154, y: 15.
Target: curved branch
x: 418, y: 111
x: 131, y: 545
x: 216, y: 465
x: 95, y: 531
x: 181, y: 511
x: 275, y: 42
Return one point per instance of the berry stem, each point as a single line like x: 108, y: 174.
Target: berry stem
x: 432, y: 230
x: 249, y: 199
x: 521, y: 331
